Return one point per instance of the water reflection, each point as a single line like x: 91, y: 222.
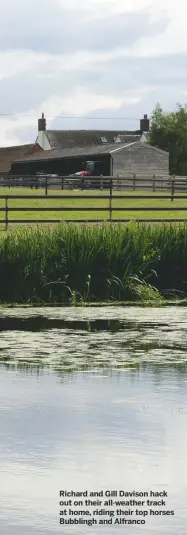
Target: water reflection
x: 91, y: 431
x: 91, y: 404
x: 41, y: 323
x: 69, y: 339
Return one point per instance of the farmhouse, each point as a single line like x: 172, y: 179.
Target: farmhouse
x: 61, y: 139
x: 64, y: 152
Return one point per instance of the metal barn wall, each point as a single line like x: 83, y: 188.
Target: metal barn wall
x: 140, y: 160
x: 62, y: 167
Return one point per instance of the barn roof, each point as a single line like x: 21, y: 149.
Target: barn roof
x: 94, y: 150
x: 75, y: 152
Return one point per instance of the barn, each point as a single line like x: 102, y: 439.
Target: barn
x: 116, y: 159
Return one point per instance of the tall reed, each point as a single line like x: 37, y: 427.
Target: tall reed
x: 72, y: 263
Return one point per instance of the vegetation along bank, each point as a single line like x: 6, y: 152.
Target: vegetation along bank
x: 70, y: 264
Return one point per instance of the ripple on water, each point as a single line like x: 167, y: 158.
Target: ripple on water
x: 65, y: 339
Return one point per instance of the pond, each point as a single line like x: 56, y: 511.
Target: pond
x: 92, y: 399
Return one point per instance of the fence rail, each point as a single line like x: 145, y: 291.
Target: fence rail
x: 132, y: 182
x: 110, y: 209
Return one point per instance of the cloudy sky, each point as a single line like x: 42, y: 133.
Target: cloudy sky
x: 104, y: 62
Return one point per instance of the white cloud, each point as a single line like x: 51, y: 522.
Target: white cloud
x: 82, y: 102
x: 104, y: 6
x: 173, y: 39
x: 125, y: 78
x: 11, y: 128
x: 18, y: 61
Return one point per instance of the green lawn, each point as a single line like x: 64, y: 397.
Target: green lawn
x: 90, y: 203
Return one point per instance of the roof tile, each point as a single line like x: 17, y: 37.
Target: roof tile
x: 60, y: 139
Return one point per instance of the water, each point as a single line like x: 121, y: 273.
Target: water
x: 89, y: 403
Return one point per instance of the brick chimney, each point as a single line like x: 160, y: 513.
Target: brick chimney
x: 144, y: 124
x: 42, y: 124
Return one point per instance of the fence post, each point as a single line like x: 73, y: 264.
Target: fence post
x: 6, y: 212
x: 62, y: 182
x: 82, y: 186
x: 154, y: 183
x: 134, y: 182
x: 172, y: 187
x: 110, y: 202
x: 101, y: 184
x: 46, y: 186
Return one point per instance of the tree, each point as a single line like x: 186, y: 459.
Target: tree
x: 168, y: 132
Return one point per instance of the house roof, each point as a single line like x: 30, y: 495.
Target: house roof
x: 94, y: 150
x: 9, y: 154
x: 128, y: 138
x: 60, y: 139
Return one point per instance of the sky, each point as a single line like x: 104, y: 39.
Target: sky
x: 103, y: 62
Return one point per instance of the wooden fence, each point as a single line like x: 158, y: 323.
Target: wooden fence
x: 7, y: 209
x: 128, y: 183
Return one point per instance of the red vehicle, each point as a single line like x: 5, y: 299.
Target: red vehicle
x: 83, y: 173
x: 91, y: 168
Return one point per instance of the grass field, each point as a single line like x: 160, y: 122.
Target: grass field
x: 38, y: 203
